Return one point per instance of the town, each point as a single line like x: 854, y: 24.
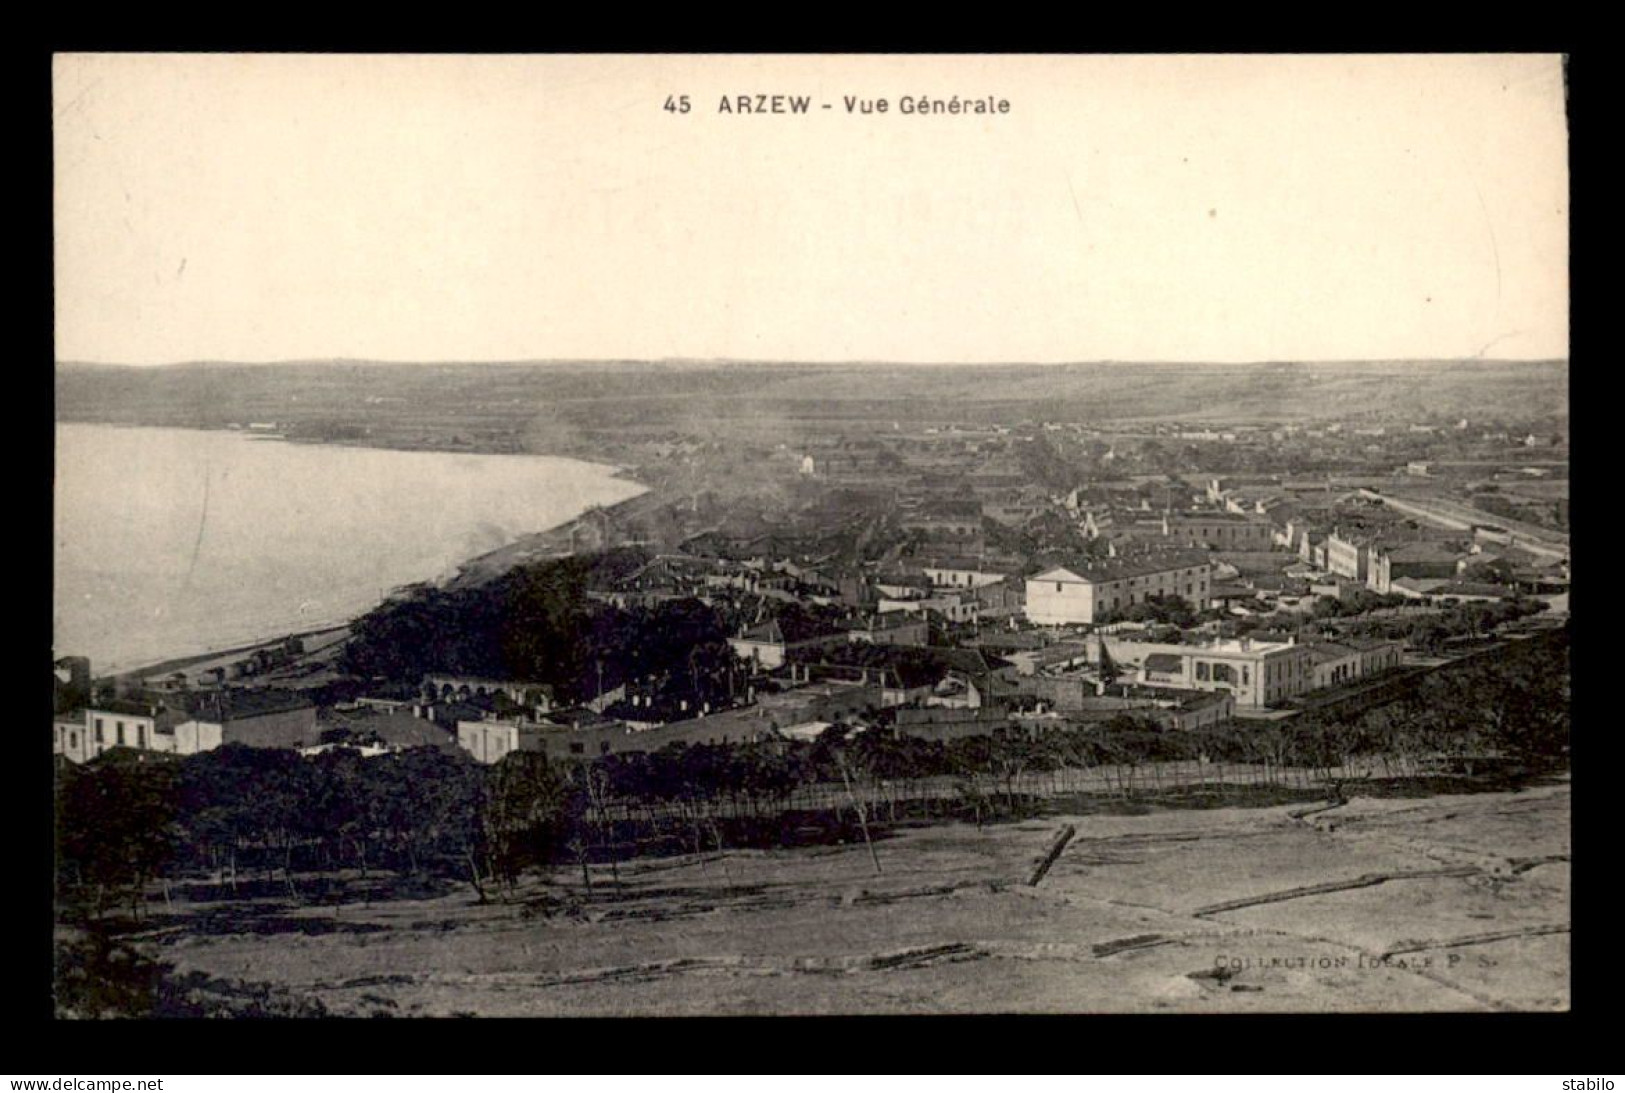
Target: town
x: 1049, y: 573
x: 530, y: 543
x: 823, y: 631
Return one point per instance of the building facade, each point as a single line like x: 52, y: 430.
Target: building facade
x: 125, y: 724
x: 1219, y: 530
x: 1257, y: 673
x: 1348, y: 557
x: 1424, y: 560
x: 1084, y: 592
x: 960, y: 573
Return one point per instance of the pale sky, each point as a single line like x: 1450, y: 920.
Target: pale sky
x: 266, y: 207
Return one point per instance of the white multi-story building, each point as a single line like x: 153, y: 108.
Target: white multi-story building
x: 119, y: 724
x: 1257, y: 673
x: 1083, y: 592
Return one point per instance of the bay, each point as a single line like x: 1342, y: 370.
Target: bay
x: 170, y: 542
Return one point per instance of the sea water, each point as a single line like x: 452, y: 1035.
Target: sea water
x: 170, y: 542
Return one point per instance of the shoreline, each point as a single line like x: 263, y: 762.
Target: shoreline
x: 617, y: 470
x: 184, y: 661
x: 473, y: 571
x: 457, y: 574
x: 493, y: 563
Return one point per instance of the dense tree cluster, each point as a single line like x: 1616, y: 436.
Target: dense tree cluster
x: 1494, y: 571
x: 1362, y: 601
x: 1433, y: 631
x: 130, y: 818
x: 1040, y: 459
x: 1163, y: 610
x: 537, y: 624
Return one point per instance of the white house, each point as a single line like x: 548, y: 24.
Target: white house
x: 961, y: 573
x: 762, y: 645
x: 123, y: 724
x: 1085, y: 591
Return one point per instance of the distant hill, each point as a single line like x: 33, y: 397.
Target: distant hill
x: 507, y: 399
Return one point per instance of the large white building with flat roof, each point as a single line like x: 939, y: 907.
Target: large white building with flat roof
x: 1257, y: 673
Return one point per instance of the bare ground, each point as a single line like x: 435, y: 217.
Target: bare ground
x: 1457, y: 903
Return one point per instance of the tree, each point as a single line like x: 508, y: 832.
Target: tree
x: 116, y: 824
x: 969, y: 758
x: 1012, y: 753
x: 344, y: 806
x: 429, y: 801
x: 1108, y: 670
x: 1326, y: 607
x: 1428, y: 634
x: 526, y: 810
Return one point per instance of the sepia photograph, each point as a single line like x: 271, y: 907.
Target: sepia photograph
x: 656, y: 535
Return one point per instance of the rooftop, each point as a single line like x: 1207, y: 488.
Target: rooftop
x: 1421, y: 552
x: 766, y: 632
x: 1420, y: 584
x: 912, y: 665
x: 1206, y: 516
x: 890, y: 620
x: 1115, y: 569
x: 235, y: 703
x: 1324, y: 651
x: 396, y: 729
x: 1249, y: 646
x: 1473, y: 588
x: 962, y: 564
x: 1059, y: 653
x: 1365, y: 645
x: 956, y: 511
x: 1177, y: 697
x: 126, y: 707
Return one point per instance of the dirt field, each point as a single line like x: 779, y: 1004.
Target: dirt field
x: 1439, y: 904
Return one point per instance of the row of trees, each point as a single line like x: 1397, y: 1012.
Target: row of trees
x: 1430, y: 628
x: 1433, y: 631
x: 130, y: 819
x: 1363, y: 601
x: 1170, y: 610
x: 1513, y: 707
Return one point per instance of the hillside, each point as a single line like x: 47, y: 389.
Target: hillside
x: 548, y: 406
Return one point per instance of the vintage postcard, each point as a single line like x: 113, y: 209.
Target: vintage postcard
x: 789, y: 535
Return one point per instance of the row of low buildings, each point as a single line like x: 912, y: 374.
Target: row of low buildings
x: 773, y: 716
x: 1418, y: 566
x: 207, y: 720
x: 186, y: 722
x: 1179, y: 686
